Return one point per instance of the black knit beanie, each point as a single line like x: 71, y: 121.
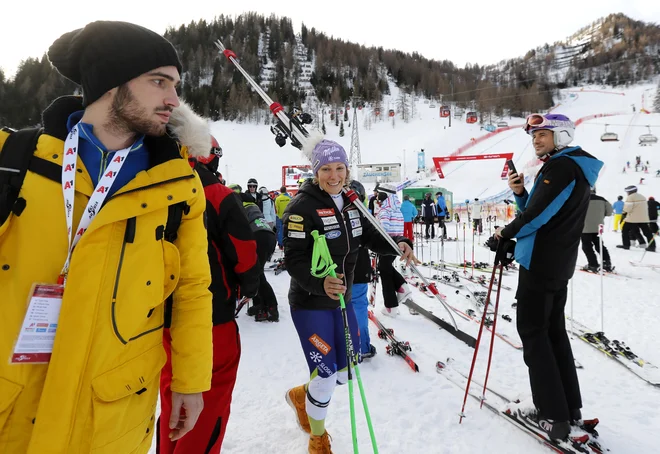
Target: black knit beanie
x: 106, y: 54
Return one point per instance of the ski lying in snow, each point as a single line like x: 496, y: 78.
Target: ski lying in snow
x: 457, y: 333
x: 644, y: 265
x: 467, y: 316
x: 504, y: 337
x: 395, y: 346
x: 441, y: 366
x: 613, y: 273
x: 618, y: 351
x: 583, y: 443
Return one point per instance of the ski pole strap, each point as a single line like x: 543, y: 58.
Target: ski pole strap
x: 322, y: 264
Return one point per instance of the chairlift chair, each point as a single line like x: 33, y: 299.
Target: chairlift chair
x: 432, y: 106
x: 648, y: 139
x: 609, y: 136
x: 502, y: 124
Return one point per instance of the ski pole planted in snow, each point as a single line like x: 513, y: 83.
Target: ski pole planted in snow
x: 602, y: 296
x: 481, y: 328
x: 464, y: 256
x: 322, y: 266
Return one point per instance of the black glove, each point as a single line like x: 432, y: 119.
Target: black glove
x: 505, y: 253
x: 491, y: 243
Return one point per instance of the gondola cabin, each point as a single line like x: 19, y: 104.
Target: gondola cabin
x: 444, y: 111
x: 391, y: 114
x: 377, y: 111
x: 471, y: 117
x: 490, y: 127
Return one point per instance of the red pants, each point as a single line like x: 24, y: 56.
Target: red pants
x: 208, y: 433
x: 408, y: 230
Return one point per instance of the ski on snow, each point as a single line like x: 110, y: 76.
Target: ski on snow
x: 466, y: 316
x: 395, y: 346
x: 619, y: 352
x: 584, y: 443
x: 457, y: 333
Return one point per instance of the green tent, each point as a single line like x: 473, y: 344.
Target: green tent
x: 416, y: 195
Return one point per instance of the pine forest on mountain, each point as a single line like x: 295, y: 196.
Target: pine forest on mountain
x: 309, y: 69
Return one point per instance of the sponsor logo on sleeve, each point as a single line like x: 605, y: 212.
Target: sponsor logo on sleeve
x: 357, y: 232
x: 294, y: 226
x: 329, y: 220
x: 327, y: 228
x: 333, y: 235
x: 320, y: 344
x: 353, y: 214
x: 355, y: 223
x: 295, y: 218
x: 326, y: 212
x: 299, y: 235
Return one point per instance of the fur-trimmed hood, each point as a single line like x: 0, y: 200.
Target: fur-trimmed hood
x: 191, y: 130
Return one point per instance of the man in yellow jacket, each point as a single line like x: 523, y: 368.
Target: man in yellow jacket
x: 281, y: 202
x: 98, y: 390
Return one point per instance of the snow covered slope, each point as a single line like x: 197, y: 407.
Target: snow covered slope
x: 418, y: 413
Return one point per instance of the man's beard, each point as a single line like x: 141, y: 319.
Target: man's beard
x: 128, y: 116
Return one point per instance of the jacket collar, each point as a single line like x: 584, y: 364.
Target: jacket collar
x: 54, y: 118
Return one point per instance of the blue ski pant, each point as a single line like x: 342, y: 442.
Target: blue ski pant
x: 323, y: 341
x: 279, y: 228
x: 360, y: 304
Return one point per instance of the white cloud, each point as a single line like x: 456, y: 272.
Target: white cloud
x: 474, y: 31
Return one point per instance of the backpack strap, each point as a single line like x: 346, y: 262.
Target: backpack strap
x: 15, y: 159
x: 175, y: 213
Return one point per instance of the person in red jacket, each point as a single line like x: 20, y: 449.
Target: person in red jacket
x: 233, y: 258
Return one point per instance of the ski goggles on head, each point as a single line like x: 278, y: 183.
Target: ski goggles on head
x: 534, y: 121
x: 538, y: 121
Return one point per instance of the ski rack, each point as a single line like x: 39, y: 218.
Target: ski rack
x: 300, y: 136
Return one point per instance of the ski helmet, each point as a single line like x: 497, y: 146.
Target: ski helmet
x: 358, y: 188
x: 562, y: 127
x: 252, y: 182
x: 216, y: 153
x: 236, y: 188
x: 263, y: 190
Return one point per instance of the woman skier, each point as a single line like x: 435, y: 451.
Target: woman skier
x: 315, y: 312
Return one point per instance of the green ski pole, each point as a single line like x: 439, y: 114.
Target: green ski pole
x: 322, y: 266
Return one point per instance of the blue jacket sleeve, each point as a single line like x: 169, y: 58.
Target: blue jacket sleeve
x: 552, y: 190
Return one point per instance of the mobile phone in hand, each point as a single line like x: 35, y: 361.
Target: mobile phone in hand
x: 512, y: 168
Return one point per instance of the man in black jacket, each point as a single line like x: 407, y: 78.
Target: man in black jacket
x: 548, y: 230
x: 654, y: 206
x: 265, y: 302
x: 428, y: 214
